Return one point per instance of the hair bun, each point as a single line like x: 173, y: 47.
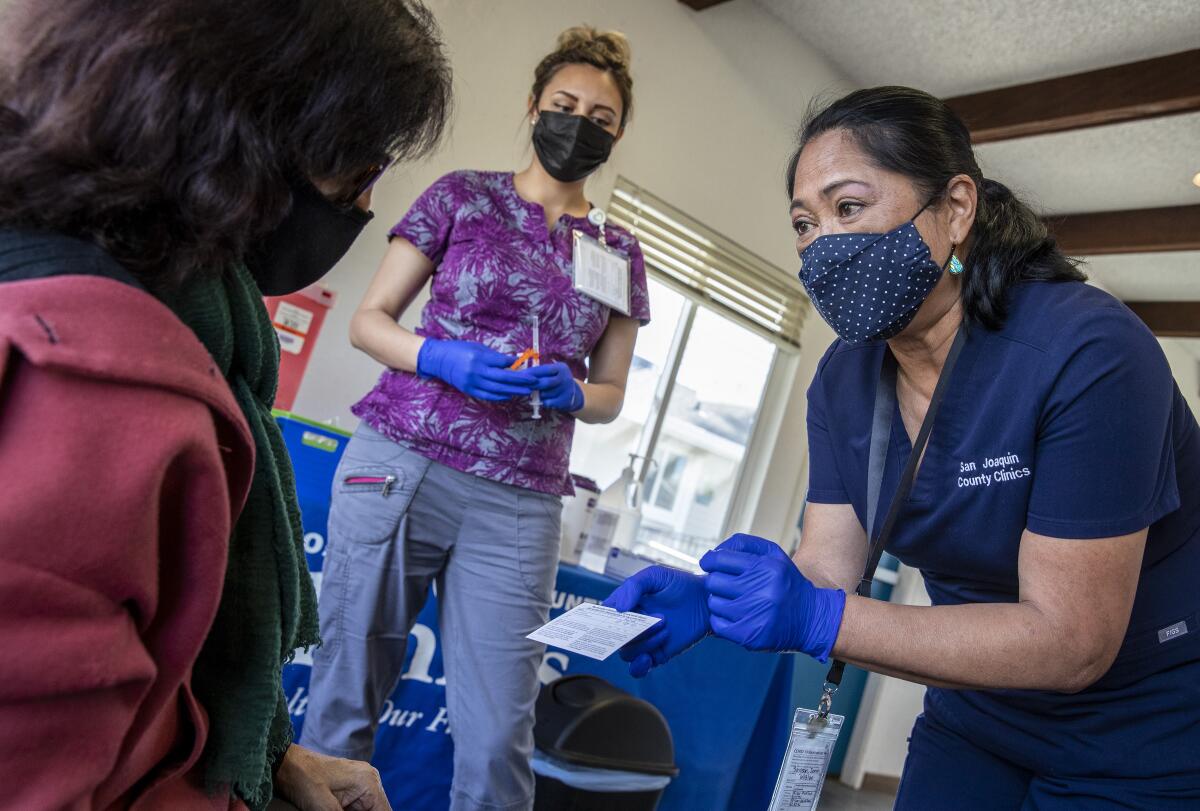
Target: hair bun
x: 610, y: 46
x: 582, y: 44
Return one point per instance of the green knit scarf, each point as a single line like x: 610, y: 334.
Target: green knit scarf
x: 268, y: 607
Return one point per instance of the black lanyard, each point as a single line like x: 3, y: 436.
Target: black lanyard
x: 881, y: 432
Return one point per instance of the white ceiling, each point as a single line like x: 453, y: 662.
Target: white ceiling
x: 950, y: 48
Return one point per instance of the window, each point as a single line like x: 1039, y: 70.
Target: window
x: 709, y: 419
x: 601, y: 452
x: 694, y: 392
x: 664, y: 492
x: 720, y: 316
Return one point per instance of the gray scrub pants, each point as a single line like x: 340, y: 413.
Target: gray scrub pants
x: 398, y: 522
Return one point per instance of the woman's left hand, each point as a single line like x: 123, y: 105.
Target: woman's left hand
x: 760, y: 600
x: 315, y: 782
x: 558, y: 387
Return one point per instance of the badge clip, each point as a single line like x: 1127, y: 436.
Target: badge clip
x: 826, y: 702
x: 598, y: 218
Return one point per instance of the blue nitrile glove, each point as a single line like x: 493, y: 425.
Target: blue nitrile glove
x: 558, y: 387
x: 760, y: 600
x: 679, y: 599
x: 474, y: 369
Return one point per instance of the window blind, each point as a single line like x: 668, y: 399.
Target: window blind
x: 697, y: 261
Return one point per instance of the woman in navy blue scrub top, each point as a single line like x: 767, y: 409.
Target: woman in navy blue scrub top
x: 1055, y: 513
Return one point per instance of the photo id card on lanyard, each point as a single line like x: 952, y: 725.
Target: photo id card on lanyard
x: 809, y: 749
x: 601, y: 273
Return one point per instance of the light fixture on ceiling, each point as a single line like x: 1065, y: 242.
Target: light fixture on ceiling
x: 1196, y: 179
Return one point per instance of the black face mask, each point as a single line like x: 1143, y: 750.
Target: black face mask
x: 306, y: 245
x: 570, y: 147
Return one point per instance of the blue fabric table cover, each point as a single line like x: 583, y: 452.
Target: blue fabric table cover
x: 729, y: 710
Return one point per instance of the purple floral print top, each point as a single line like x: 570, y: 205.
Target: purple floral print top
x: 497, y: 265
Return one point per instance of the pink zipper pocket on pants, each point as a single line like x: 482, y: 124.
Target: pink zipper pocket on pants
x: 384, y: 483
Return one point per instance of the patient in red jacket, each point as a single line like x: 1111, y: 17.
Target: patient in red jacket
x: 163, y: 164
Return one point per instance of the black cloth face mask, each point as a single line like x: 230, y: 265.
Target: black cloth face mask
x: 570, y: 147
x: 306, y: 245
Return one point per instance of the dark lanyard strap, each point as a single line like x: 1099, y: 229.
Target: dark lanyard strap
x: 881, y: 431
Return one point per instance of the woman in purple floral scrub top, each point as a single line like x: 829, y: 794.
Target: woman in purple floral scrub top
x: 449, y: 477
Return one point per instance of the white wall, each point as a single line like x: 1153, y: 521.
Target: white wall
x: 718, y: 96
x: 1184, y: 357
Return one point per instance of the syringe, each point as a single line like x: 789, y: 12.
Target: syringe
x: 536, y: 399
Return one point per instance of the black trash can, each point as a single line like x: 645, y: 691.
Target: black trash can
x: 599, y: 748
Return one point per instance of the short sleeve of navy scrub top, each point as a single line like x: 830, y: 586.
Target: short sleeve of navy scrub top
x: 1066, y: 422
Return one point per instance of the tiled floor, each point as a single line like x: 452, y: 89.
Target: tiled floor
x: 837, y: 796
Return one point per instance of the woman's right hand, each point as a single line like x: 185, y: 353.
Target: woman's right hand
x: 474, y: 369
x: 679, y: 599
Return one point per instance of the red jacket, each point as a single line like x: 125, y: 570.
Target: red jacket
x: 123, y: 460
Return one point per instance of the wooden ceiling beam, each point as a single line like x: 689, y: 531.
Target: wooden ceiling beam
x: 1143, y: 230
x: 1165, y: 85
x: 1169, y: 319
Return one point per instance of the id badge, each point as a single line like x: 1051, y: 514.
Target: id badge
x: 601, y: 273
x: 807, y: 759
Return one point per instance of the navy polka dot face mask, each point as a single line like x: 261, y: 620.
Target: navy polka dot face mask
x: 869, y: 286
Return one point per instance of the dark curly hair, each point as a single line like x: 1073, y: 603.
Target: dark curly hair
x: 167, y: 131
x: 917, y: 135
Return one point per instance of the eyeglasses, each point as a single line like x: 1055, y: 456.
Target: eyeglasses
x: 363, y: 184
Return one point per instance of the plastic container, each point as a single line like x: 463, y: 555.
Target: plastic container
x: 576, y: 515
x: 623, y: 564
x: 614, y: 522
x: 622, y: 498
x: 599, y: 748
x: 598, y: 540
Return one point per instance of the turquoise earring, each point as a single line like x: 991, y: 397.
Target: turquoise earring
x: 956, y: 267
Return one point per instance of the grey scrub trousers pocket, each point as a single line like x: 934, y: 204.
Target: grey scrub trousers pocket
x: 539, y: 517
x: 373, y: 488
